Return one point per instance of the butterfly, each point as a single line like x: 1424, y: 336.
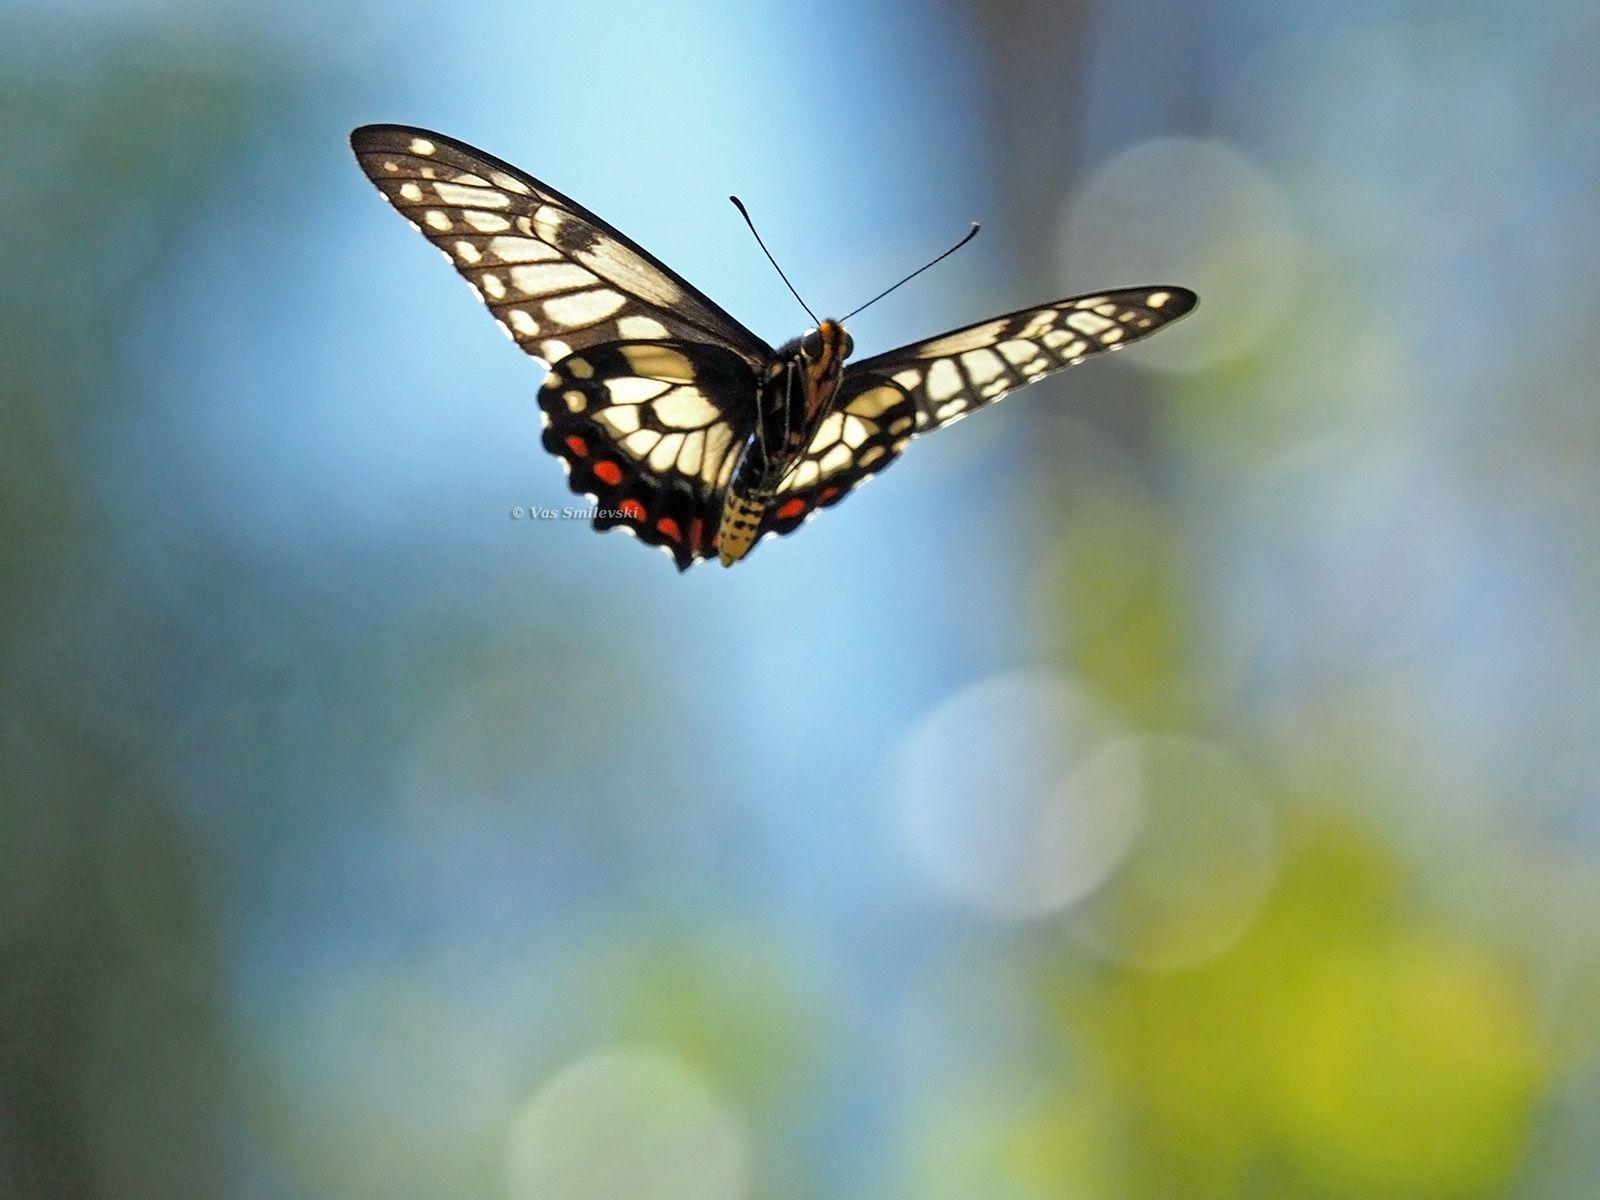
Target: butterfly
x: 679, y: 424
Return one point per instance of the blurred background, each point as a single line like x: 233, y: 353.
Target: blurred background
x: 1179, y: 783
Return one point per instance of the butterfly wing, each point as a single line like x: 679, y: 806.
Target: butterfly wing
x: 653, y: 386
x: 872, y: 421
x: 958, y: 372
x: 556, y: 277
x: 887, y: 400
x: 645, y: 433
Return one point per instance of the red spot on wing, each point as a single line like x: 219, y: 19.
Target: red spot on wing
x: 791, y: 508
x: 608, y: 472
x: 578, y: 446
x: 669, y: 527
x: 830, y: 493
x: 697, y: 533
x: 631, y: 509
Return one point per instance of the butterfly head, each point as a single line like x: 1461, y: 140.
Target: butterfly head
x: 827, y: 346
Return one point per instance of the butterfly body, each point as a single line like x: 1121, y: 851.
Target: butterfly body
x: 798, y: 391
x: 680, y: 425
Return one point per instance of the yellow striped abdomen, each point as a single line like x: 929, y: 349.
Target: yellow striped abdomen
x: 741, y: 518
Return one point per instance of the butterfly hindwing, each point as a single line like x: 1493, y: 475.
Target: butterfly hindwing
x: 556, y: 277
x: 874, y: 419
x: 959, y: 372
x: 651, y: 431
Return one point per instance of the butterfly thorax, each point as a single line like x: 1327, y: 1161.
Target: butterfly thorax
x: 798, y: 390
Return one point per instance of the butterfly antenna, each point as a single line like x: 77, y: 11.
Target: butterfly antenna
x: 745, y: 213
x: 970, y: 234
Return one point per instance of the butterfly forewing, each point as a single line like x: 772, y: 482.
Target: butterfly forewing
x: 556, y: 277
x: 958, y: 372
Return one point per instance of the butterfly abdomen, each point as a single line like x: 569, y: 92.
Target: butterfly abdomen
x: 741, y: 518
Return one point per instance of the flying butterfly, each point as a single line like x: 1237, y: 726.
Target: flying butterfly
x: 679, y: 424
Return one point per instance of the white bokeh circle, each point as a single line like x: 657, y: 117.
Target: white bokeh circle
x: 626, y: 1124
x: 1003, y: 803
x: 1197, y: 213
x: 1202, y: 867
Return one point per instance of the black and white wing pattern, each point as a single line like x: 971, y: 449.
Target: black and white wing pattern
x: 874, y: 420
x: 887, y: 400
x: 646, y: 432
x: 959, y: 372
x: 556, y: 277
x: 652, y: 386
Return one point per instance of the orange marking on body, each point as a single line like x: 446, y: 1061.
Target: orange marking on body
x: 578, y: 446
x: 608, y: 472
x: 632, y: 509
x: 792, y: 509
x: 827, y: 494
x: 669, y: 527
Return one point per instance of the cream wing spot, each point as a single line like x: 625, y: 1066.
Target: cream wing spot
x: 855, y: 432
x: 966, y: 339
x: 666, y: 452
x: 1038, y: 323
x: 874, y: 402
x: 576, y: 400
x: 623, y: 420
x: 946, y: 411
x: 437, y: 220
x: 685, y: 408
x: 944, y: 380
x: 468, y: 253
x: 1087, y: 322
x: 1017, y: 352
x: 629, y: 389
x: 555, y: 349
x: 411, y: 192
x: 982, y: 365
x: 806, y: 473
x: 545, y: 278
x: 521, y: 250
x: 836, y: 459
x: 659, y: 362
x: 494, y: 285
x: 581, y: 367
x: 584, y: 308
x: 908, y: 379
x: 718, y: 438
x: 829, y: 432
x: 522, y: 322
x: 547, y: 222
x: 689, y: 456
x: 422, y: 146
x: 641, y: 327
x: 510, y: 183
x: 470, y: 197
x: 641, y: 442
x: 871, y: 455
x: 485, y: 222
x: 1158, y: 299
